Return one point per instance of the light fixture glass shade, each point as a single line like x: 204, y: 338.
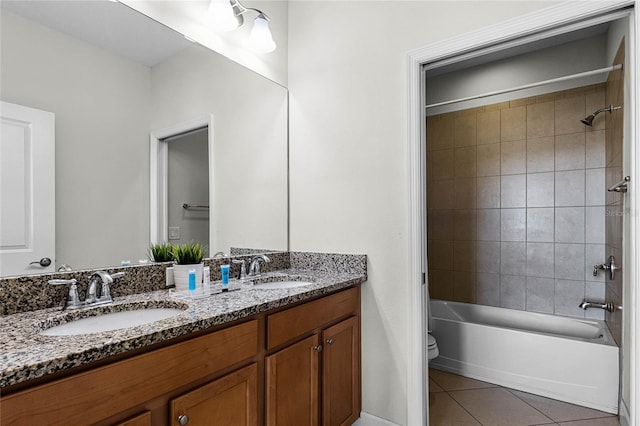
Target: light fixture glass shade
x: 222, y: 16
x: 260, y: 39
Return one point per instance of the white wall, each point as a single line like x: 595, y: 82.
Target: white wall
x: 348, y: 130
x: 100, y: 178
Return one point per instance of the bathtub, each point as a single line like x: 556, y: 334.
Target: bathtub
x: 569, y: 359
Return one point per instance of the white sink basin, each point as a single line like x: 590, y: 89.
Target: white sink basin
x: 111, y: 321
x: 281, y: 284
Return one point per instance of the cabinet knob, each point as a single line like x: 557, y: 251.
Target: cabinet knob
x: 183, y: 419
x: 330, y: 341
x: 318, y: 348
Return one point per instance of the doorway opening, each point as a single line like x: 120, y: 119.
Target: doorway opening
x: 460, y: 52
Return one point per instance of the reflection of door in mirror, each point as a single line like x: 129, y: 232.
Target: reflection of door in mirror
x: 27, y: 188
x: 188, y: 187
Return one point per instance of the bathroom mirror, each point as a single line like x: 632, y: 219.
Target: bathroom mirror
x: 112, y: 77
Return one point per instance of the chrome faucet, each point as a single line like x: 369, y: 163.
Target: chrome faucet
x: 606, y: 306
x: 254, y: 267
x: 105, y: 294
x: 73, y: 301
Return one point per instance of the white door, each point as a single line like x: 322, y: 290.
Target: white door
x: 27, y: 190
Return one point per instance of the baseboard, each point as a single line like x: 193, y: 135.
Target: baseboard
x: 366, y: 417
x: 625, y: 417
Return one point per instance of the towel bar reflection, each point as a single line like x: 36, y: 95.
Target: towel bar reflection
x: 620, y: 186
x: 187, y: 206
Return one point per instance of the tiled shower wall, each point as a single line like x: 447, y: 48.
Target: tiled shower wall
x: 516, y: 203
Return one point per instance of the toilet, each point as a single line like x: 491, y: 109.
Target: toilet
x: 432, y: 347
x: 432, y: 344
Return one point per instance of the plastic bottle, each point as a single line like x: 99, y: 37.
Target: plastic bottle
x: 192, y: 280
x: 206, y: 283
x: 224, y: 269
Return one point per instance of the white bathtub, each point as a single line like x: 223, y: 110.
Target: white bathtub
x: 572, y: 360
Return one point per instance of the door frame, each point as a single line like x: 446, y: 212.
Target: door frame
x: 557, y: 18
x: 158, y: 176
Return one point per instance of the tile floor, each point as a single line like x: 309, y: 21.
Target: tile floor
x: 459, y: 401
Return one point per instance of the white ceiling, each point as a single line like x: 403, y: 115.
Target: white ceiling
x: 107, y: 24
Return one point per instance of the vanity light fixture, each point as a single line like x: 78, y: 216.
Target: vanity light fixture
x: 227, y: 15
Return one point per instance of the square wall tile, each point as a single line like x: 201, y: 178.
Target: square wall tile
x: 540, y: 189
x: 596, y: 189
x: 595, y: 225
x: 440, y: 132
x: 465, y: 162
x: 440, y: 284
x: 513, y: 157
x: 513, y: 290
x: 513, y: 224
x: 488, y: 160
x: 569, y: 261
x: 442, y: 164
x: 488, y: 289
x: 465, y: 193
x: 465, y: 130
x: 540, y: 155
x: 570, y: 188
x: 569, y: 294
x: 488, y: 225
x: 570, y: 151
x: 513, y: 258
x: 540, y: 119
x: 513, y: 124
x: 570, y: 224
x: 595, y: 147
x: 440, y: 224
x: 488, y: 257
x: 513, y: 192
x: 540, y: 294
x: 440, y: 253
x: 594, y: 254
x: 540, y: 259
x: 464, y: 256
x: 594, y: 292
x: 464, y: 286
x: 440, y: 196
x: 540, y: 225
x: 488, y: 192
x: 488, y: 130
x: 569, y: 111
x: 465, y: 225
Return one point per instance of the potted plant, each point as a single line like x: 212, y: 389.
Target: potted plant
x: 161, y: 252
x: 187, y: 257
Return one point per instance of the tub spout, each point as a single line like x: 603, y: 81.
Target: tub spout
x: 606, y: 306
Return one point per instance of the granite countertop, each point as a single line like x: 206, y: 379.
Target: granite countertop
x: 27, y: 355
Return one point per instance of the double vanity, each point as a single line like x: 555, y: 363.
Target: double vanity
x: 281, y: 349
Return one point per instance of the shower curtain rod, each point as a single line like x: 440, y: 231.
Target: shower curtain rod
x: 528, y: 86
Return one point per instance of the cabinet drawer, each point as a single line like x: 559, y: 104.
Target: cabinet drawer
x: 287, y: 325
x: 105, y: 391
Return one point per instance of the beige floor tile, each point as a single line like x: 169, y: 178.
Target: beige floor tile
x: 498, y: 407
x: 559, y: 411
x: 444, y: 411
x: 434, y: 387
x: 607, y: 421
x: 452, y: 382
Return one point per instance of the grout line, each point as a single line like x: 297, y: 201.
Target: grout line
x: 463, y: 407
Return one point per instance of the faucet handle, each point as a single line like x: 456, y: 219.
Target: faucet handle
x: 106, y: 289
x: 118, y: 275
x: 243, y: 268
x: 73, y: 301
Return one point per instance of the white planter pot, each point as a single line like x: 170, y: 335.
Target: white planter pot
x: 181, y: 276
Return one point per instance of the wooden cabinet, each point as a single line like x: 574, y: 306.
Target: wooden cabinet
x: 297, y: 366
x: 230, y: 400
x: 315, y: 380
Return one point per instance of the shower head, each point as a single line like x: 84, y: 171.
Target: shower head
x: 588, y: 120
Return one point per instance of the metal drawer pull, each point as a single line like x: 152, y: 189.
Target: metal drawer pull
x: 183, y: 419
x: 318, y: 348
x: 330, y: 341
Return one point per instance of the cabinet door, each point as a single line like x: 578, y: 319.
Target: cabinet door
x: 292, y: 384
x: 231, y: 400
x: 143, y: 419
x: 341, y: 373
